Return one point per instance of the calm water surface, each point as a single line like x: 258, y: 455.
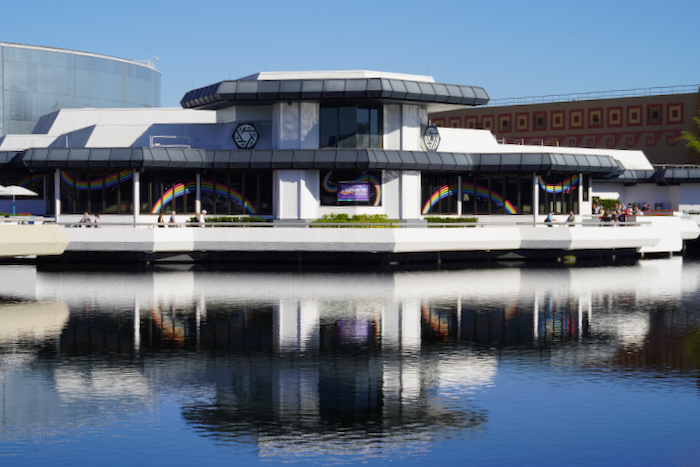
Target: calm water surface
x: 485, y: 366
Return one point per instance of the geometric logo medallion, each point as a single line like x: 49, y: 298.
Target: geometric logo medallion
x: 245, y: 136
x: 431, y: 138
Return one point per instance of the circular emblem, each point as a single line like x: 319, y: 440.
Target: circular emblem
x: 245, y: 136
x: 431, y: 138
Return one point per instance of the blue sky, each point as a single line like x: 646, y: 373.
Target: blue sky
x: 511, y: 48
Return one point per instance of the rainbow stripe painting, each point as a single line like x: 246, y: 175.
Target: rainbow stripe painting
x: 563, y: 187
x: 25, y: 181
x: 98, y: 183
x: 175, y: 192
x: 371, y: 179
x: 470, y: 189
x: 207, y: 186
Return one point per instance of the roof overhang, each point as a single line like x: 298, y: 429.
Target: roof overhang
x: 41, y: 160
x: 436, y: 96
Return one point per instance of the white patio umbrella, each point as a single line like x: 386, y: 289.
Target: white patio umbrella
x: 14, y: 190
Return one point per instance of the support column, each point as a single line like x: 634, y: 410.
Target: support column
x: 57, y: 193
x: 459, y: 195
x: 535, y: 197
x: 198, y: 193
x: 580, y: 194
x: 136, y: 179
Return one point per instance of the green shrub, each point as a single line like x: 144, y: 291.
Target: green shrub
x: 607, y: 204
x: 356, y: 219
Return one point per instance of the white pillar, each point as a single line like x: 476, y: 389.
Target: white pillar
x: 580, y: 194
x: 57, y: 193
x: 198, y: 193
x: 459, y: 195
x: 136, y: 178
x: 535, y: 197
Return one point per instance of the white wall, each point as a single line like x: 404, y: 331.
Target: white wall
x: 457, y: 139
x: 410, y: 194
x: 392, y: 127
x: 295, y: 125
x: 410, y: 128
x: 296, y: 194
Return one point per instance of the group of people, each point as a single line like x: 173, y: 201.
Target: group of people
x: 550, y: 218
x: 198, y: 218
x: 620, y: 212
x: 86, y: 219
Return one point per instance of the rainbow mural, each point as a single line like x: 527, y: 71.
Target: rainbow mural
x: 207, y: 186
x: 99, y: 183
x: 371, y: 179
x: 470, y: 189
x: 563, y: 187
x: 25, y: 181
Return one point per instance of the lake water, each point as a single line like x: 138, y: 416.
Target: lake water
x: 509, y: 364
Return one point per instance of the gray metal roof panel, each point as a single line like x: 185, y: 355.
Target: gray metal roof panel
x: 448, y: 161
x: 282, y: 159
x: 269, y: 90
x: 346, y: 159
x: 182, y: 158
x: 261, y: 159
x: 291, y: 89
x: 228, y: 93
x: 303, y: 159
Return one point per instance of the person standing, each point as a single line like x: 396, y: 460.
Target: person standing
x: 86, y: 219
x: 550, y: 218
x: 201, y: 219
x: 173, y: 218
x: 571, y: 219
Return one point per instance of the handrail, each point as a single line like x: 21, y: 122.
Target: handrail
x: 595, y: 95
x: 347, y: 225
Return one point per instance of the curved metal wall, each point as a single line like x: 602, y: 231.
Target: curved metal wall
x: 35, y: 81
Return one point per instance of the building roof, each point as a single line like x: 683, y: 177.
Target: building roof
x: 39, y: 160
x: 268, y: 88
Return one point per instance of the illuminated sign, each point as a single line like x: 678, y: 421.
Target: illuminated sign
x: 353, y: 191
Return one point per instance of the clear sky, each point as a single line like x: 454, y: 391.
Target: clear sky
x: 512, y: 48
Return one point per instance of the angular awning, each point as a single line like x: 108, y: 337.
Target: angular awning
x: 373, y: 159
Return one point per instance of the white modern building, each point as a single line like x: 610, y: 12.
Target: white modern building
x: 295, y: 146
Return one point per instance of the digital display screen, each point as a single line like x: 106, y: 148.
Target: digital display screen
x: 353, y: 191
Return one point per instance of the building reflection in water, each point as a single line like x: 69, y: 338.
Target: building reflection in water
x: 333, y: 362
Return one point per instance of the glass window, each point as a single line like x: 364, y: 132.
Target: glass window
x: 351, y: 188
x: 439, y: 194
x: 497, y: 197
x: 511, y: 196
x: 236, y: 193
x: 97, y: 192
x: 329, y: 127
x: 350, y: 127
x: 168, y: 191
x: 526, y: 192
x: 559, y: 193
x: 482, y: 193
x: 468, y: 197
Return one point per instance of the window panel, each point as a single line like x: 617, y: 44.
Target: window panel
x: 367, y: 183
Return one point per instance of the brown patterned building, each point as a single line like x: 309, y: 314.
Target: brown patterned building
x: 651, y: 121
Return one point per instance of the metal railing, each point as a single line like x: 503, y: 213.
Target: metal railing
x: 595, y: 95
x: 345, y: 225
